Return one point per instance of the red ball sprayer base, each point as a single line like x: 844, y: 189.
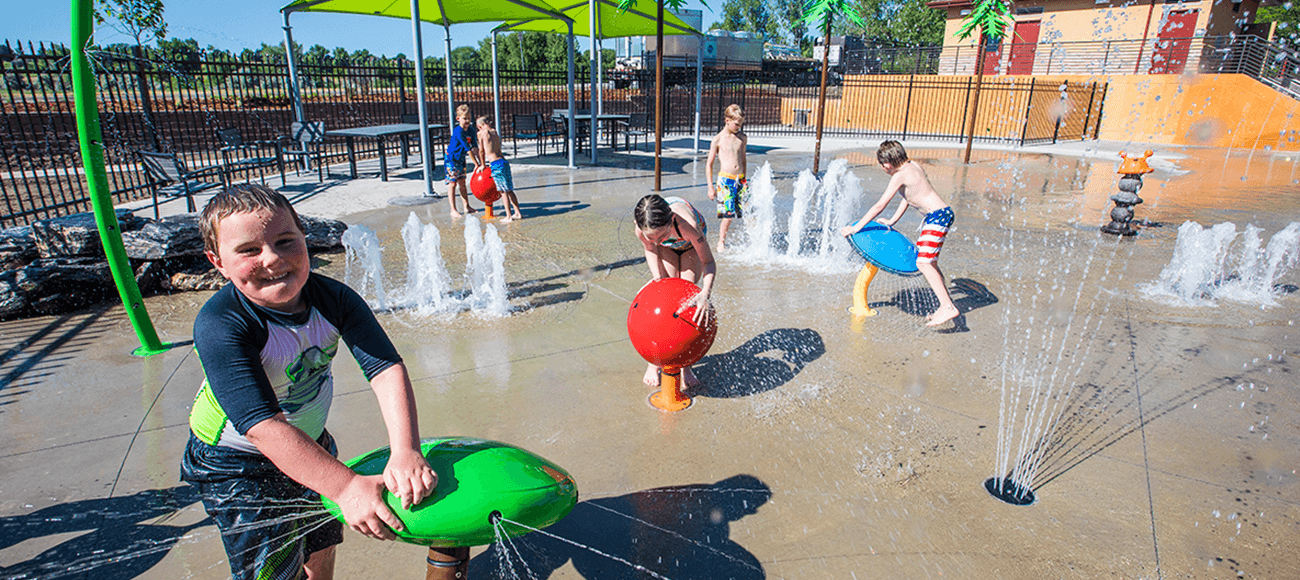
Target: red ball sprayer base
x: 484, y: 188
x: 669, y: 397
x: 669, y: 339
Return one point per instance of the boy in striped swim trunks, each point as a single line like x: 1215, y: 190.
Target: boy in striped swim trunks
x: 730, y: 188
x: 908, y: 180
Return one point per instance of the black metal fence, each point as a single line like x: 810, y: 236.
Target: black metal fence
x: 149, y: 102
x: 155, y: 101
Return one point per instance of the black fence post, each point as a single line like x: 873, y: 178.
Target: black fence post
x: 146, y: 102
x: 1087, y: 117
x: 1064, y: 93
x: 907, y: 111
x: 1029, y: 106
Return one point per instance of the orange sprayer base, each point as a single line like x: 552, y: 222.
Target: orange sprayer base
x: 670, y: 397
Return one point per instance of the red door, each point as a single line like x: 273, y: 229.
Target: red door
x: 1023, y: 45
x: 991, y: 55
x: 1174, y: 42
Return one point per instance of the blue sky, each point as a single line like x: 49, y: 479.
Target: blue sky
x: 238, y: 24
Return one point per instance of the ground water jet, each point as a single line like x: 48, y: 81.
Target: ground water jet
x: 428, y: 286
x: 811, y: 226
x: 1212, y: 264
x: 1008, y: 491
x: 485, y: 269
x: 362, y: 248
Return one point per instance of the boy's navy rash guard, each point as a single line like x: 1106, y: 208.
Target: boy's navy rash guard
x: 460, y: 144
x: 258, y: 362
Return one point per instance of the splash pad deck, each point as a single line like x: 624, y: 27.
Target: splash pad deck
x: 811, y: 451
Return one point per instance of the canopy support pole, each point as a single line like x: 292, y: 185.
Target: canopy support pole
x: 451, y: 98
x: 295, y: 98
x: 496, y: 85
x: 699, y: 90
x: 573, y: 142
x: 659, y: 95
x: 592, y: 129
x: 426, y: 154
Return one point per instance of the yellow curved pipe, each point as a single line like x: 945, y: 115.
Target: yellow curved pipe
x: 860, y: 308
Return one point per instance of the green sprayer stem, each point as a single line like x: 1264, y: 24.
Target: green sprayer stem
x: 92, y: 158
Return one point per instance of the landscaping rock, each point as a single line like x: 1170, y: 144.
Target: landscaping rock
x: 168, y: 237
x: 13, y: 302
x: 323, y: 233
x: 56, y: 285
x: 77, y: 234
x: 17, y: 247
x: 199, y: 276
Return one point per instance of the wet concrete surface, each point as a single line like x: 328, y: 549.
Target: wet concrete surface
x: 817, y: 447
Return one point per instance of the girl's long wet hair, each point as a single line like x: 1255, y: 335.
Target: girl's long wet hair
x: 652, y: 212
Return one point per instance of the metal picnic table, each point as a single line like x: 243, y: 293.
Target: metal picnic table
x: 379, y: 133
x: 610, y: 120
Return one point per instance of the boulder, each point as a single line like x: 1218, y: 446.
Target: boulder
x: 198, y: 276
x: 13, y: 302
x: 323, y: 233
x: 17, y: 247
x: 77, y: 234
x: 168, y: 237
x: 62, y: 284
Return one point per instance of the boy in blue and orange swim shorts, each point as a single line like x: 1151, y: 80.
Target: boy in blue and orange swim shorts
x: 729, y: 190
x: 490, y: 148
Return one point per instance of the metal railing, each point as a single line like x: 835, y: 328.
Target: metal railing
x: 1268, y: 62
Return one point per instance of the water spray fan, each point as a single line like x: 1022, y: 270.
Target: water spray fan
x: 480, y: 483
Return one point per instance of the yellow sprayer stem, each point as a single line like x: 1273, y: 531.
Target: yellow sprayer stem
x: 860, y: 308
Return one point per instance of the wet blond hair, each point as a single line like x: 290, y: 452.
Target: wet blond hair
x: 891, y: 152
x: 243, y: 198
x: 733, y: 112
x: 486, y: 120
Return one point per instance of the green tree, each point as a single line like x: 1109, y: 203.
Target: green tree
x: 466, y: 57
x: 748, y: 16
x: 139, y: 19
x: 181, y: 59
x: 909, y: 22
x: 1287, y: 18
x: 796, y: 30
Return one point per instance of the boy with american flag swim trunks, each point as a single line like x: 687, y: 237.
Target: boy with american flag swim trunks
x: 908, y: 180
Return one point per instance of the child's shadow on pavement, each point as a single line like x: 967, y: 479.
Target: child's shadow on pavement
x: 120, y: 543
x: 745, y: 371
x: 679, y: 532
x: 966, y: 294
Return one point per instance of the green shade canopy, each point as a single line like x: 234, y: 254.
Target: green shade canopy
x: 444, y: 12
x: 610, y: 21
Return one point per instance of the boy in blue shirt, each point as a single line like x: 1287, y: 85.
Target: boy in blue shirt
x: 258, y: 451
x: 463, y: 141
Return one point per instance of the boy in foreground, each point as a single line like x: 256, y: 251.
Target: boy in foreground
x: 490, y: 146
x: 729, y: 190
x: 908, y: 180
x: 258, y: 449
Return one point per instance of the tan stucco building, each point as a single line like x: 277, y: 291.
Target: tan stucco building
x: 1101, y: 36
